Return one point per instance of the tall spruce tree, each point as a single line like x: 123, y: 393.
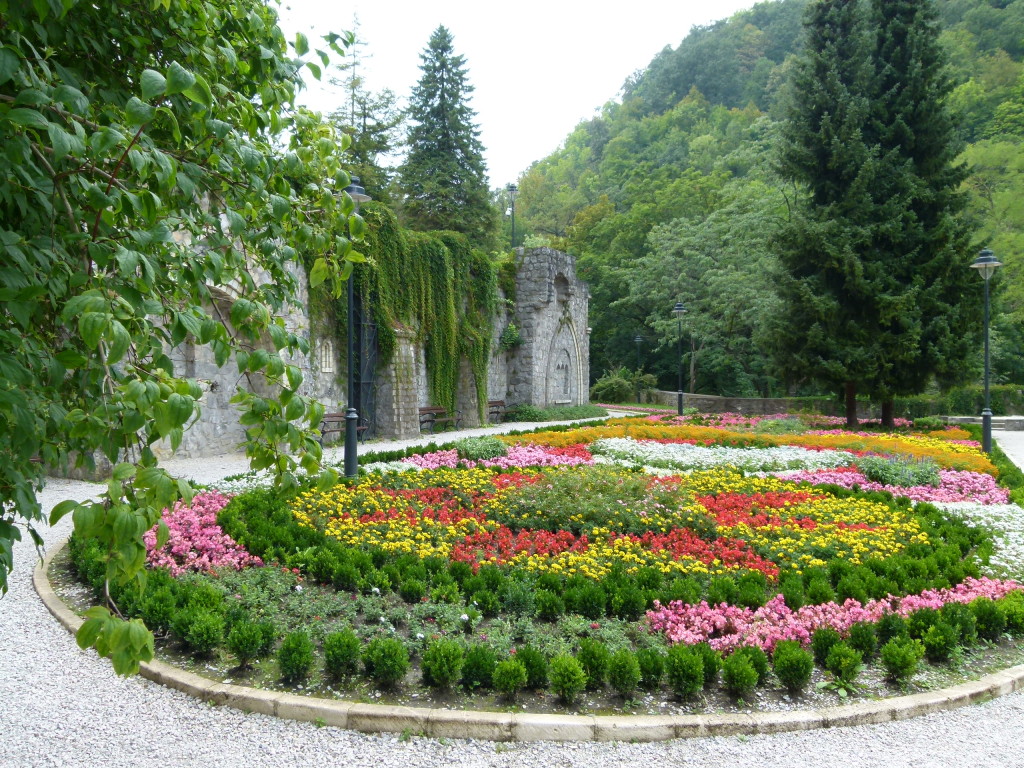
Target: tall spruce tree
x: 444, y: 179
x: 875, y: 252
x: 923, y: 244
x: 821, y: 333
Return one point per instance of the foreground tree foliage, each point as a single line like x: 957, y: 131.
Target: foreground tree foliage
x: 151, y: 156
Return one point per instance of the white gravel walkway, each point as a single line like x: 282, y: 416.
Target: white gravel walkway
x: 60, y: 706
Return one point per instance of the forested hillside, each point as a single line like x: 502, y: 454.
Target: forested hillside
x: 670, y: 194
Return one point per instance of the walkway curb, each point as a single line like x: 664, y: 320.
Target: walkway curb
x: 504, y: 726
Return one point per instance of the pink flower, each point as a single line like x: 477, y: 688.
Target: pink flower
x: 727, y: 626
x: 195, y: 541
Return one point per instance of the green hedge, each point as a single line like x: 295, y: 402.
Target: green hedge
x: 1007, y: 399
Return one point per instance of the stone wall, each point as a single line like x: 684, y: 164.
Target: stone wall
x: 550, y: 367
x: 757, y: 406
x: 217, y: 431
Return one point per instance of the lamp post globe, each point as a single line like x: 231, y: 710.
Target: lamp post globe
x: 986, y: 264
x: 358, y: 195
x: 678, y: 311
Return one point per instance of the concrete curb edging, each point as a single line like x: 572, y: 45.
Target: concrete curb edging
x: 504, y: 726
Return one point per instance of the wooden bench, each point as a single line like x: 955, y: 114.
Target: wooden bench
x: 335, y: 422
x: 496, y: 410
x: 432, y: 415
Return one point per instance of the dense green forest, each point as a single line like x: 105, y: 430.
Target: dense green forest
x: 671, y: 193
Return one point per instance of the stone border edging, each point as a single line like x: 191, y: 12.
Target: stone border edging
x: 525, y: 726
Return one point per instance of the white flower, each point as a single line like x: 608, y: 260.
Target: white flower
x: 464, y: 617
x: 681, y: 456
x: 375, y: 591
x: 419, y: 635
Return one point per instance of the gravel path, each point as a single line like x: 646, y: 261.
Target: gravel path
x: 60, y: 706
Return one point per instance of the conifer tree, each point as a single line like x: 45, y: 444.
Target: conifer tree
x: 372, y: 119
x: 878, y: 298
x: 821, y: 333
x: 926, y: 246
x: 444, y: 179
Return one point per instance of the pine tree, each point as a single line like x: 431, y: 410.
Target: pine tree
x: 821, y: 333
x: 878, y: 298
x: 444, y: 179
x: 926, y: 247
x: 372, y: 119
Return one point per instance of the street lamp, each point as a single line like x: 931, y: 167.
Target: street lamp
x: 513, y: 190
x: 639, y: 340
x: 678, y: 311
x: 986, y: 264
x: 358, y: 195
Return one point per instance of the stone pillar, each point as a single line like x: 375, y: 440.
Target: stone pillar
x: 466, y: 399
x: 397, y: 394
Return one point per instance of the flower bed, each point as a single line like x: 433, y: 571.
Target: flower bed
x: 632, y: 537
x: 726, y: 627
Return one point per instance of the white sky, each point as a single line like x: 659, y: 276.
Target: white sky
x: 538, y: 68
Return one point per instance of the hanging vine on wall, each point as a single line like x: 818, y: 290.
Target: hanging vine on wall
x: 436, y: 284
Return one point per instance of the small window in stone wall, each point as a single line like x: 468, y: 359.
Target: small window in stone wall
x: 327, y: 356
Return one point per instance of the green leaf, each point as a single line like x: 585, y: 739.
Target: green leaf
x: 29, y: 118
x: 71, y: 97
x: 138, y: 112
x: 10, y: 62
x: 89, y: 633
x: 317, y: 72
x: 179, y: 79
x: 123, y: 471
x: 153, y: 84
x: 31, y: 97
x: 60, y: 140
x: 301, y: 44
x: 280, y: 207
x: 119, y: 342
x: 295, y: 409
x: 319, y: 272
x: 235, y: 222
x: 356, y: 226
x: 180, y: 408
x: 200, y: 92
x: 91, y: 327
x: 62, y: 509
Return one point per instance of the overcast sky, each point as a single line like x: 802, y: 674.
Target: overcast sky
x: 538, y: 67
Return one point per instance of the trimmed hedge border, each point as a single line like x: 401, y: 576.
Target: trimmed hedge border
x: 503, y: 726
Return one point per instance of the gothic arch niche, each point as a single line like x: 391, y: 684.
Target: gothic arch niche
x: 562, y: 376
x: 563, y: 291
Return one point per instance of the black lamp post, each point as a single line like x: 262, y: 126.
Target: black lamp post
x: 513, y: 190
x: 639, y: 340
x: 679, y: 310
x: 986, y: 264
x: 358, y: 195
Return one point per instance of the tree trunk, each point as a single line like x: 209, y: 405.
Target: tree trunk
x: 888, y: 420
x: 851, y: 405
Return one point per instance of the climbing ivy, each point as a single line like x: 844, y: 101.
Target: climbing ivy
x: 435, y: 284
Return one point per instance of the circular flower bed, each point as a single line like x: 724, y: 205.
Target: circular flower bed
x: 632, y: 556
